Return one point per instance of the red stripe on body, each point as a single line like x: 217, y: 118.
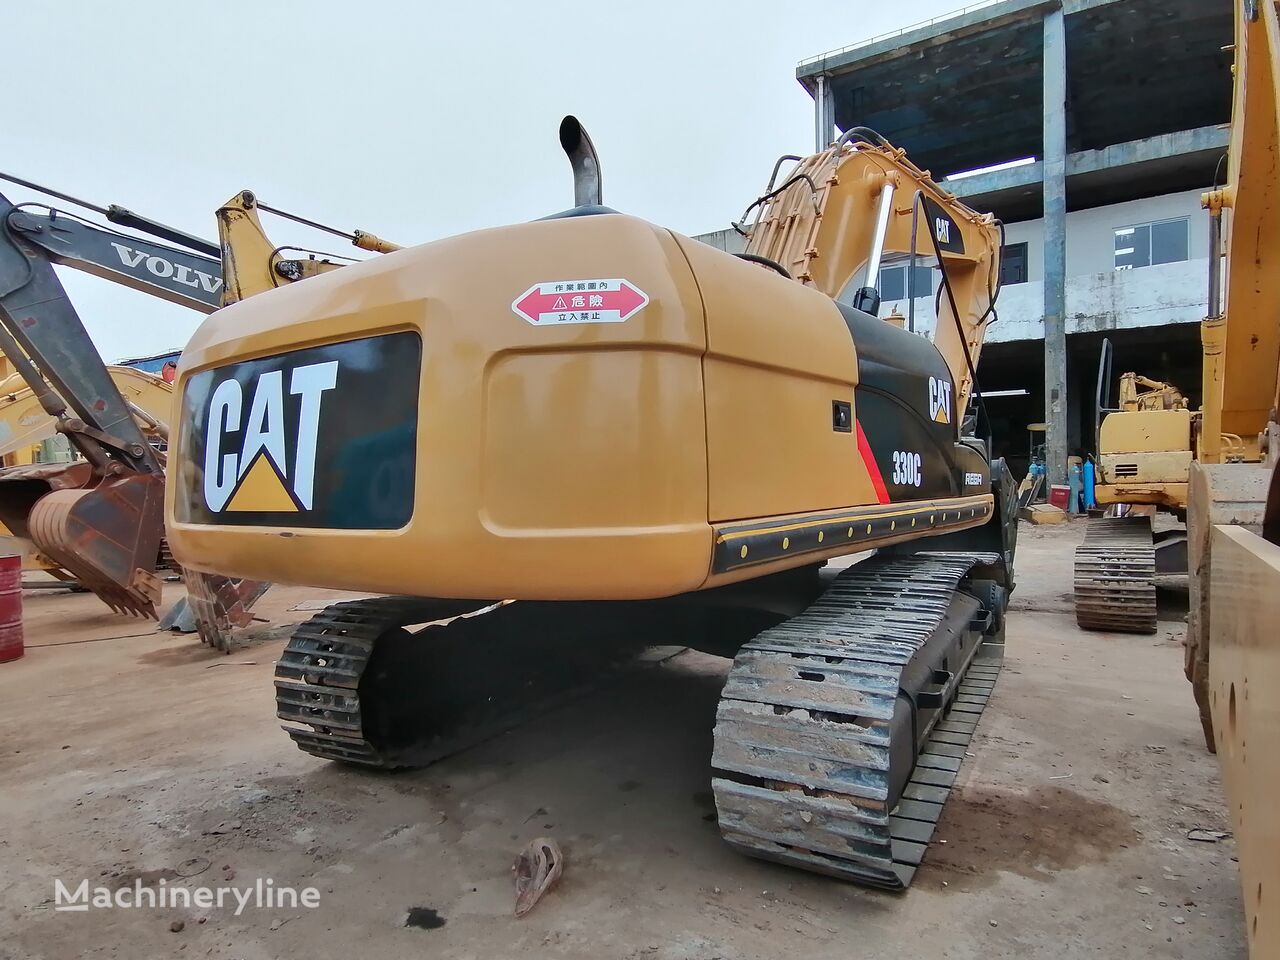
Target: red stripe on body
x: 873, y: 468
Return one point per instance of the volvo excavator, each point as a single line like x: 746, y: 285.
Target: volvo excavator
x: 550, y: 443
x: 99, y: 519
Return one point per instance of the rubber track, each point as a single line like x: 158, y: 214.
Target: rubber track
x: 318, y: 674
x: 801, y: 769
x: 1115, y: 571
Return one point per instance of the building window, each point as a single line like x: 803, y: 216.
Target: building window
x: 1013, y: 263
x: 893, y: 282
x: 1144, y: 244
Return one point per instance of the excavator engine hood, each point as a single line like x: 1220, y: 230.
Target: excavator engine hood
x: 566, y: 409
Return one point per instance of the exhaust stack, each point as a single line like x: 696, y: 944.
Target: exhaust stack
x: 587, y: 189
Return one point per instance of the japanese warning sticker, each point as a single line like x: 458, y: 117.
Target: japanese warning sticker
x: 579, y: 301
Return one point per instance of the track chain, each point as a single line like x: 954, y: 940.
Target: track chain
x: 801, y: 769
x: 1115, y: 576
x: 318, y: 675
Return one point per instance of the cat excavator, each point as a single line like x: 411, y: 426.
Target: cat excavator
x: 550, y: 443
x: 99, y: 520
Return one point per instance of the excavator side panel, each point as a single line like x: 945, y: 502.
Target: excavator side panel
x: 1219, y: 494
x: 779, y: 361
x: 1145, y: 431
x: 1244, y: 674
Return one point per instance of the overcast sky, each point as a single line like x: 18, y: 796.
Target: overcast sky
x: 413, y: 120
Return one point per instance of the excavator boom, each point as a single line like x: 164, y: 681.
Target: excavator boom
x: 840, y: 212
x: 108, y: 536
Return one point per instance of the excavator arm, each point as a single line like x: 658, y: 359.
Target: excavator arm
x: 102, y: 520
x: 108, y: 536
x: 179, y: 276
x: 1241, y: 374
x: 839, y: 212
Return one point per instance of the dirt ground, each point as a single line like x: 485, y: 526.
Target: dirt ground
x: 130, y: 756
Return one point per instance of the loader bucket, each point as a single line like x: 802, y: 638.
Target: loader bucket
x: 107, y: 536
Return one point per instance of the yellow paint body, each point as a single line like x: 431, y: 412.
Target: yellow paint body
x: 1146, y: 431
x: 593, y: 461
x: 1144, y: 457
x: 1232, y: 654
x: 1244, y: 674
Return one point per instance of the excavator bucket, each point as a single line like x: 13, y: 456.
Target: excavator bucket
x: 220, y: 605
x: 108, y: 536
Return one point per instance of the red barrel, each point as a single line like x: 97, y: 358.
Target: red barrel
x: 11, y: 645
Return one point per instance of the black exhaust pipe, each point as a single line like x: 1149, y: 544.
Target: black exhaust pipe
x: 587, y: 188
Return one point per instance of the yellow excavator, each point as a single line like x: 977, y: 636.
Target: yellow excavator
x: 1208, y: 466
x: 1233, y: 644
x: 99, y: 519
x: 1145, y: 447
x: 627, y: 434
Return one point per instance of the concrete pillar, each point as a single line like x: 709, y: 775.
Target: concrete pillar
x: 1055, y: 246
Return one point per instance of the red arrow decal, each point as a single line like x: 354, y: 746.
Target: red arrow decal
x: 534, y: 303
x: 626, y: 300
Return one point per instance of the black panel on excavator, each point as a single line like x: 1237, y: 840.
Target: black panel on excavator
x: 905, y: 405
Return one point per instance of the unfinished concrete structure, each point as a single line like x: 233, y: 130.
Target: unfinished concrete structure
x: 1116, y: 110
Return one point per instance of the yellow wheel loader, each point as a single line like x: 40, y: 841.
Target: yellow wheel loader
x: 99, y: 519
x: 628, y: 435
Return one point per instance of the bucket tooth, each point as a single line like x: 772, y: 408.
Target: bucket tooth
x: 220, y: 605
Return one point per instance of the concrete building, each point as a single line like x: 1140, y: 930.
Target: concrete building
x: 1104, y: 121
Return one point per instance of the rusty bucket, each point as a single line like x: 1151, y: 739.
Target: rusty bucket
x: 108, y: 537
